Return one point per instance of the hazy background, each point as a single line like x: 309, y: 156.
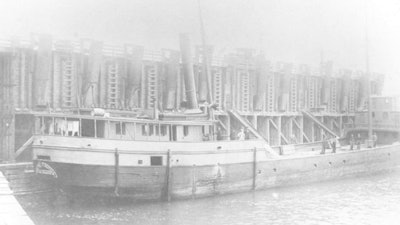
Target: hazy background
x: 295, y: 31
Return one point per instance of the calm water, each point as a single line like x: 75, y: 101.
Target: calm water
x: 364, y: 200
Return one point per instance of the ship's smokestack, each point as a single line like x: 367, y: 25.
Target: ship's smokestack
x: 188, y: 74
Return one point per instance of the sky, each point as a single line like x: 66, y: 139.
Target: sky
x: 296, y: 31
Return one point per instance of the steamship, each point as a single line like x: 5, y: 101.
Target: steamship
x: 176, y: 155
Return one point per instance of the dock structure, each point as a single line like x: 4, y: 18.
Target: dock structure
x: 286, y: 103
x: 11, y: 212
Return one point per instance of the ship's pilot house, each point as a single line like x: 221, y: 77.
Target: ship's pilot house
x: 385, y: 120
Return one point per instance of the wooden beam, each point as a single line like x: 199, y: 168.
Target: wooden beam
x: 279, y: 133
x: 24, y: 147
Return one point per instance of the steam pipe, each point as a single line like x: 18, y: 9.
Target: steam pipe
x: 188, y: 73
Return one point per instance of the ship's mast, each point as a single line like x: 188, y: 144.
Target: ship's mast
x: 368, y: 76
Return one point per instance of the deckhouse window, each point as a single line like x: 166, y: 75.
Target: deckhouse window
x: 163, y: 130
x: 48, y: 126
x: 185, y: 130
x: 156, y: 160
x: 73, y: 127
x: 120, y: 128
x: 88, y: 128
x: 100, y: 126
x: 60, y: 126
x: 144, y: 130
x: 385, y: 115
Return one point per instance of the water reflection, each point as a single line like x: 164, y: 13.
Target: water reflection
x: 366, y: 200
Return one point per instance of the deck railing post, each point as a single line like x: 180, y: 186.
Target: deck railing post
x: 168, y: 184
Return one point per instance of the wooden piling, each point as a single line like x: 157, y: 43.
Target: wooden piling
x: 116, y: 177
x: 194, y: 181
x: 254, y: 168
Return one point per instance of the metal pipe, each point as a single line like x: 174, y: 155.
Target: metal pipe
x: 367, y: 64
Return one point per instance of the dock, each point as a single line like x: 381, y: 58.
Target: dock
x: 11, y: 211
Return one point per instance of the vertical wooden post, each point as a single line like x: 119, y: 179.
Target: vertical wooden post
x: 301, y: 129
x: 116, y: 175
x: 168, y: 173
x: 313, y: 132
x: 228, y: 127
x: 254, y: 168
x: 95, y: 128
x: 80, y: 127
x: 279, y: 129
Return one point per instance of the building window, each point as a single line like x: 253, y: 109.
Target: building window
x: 120, y: 128
x: 185, y: 131
x: 156, y: 160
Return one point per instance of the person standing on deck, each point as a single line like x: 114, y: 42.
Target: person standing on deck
x: 358, y: 141
x: 241, y: 135
x: 324, y: 146
x: 333, y: 144
x: 374, y: 139
x: 233, y: 135
x: 219, y: 133
x: 246, y: 134
x: 352, y: 141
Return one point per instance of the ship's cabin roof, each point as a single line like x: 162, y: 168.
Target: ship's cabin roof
x: 90, y: 126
